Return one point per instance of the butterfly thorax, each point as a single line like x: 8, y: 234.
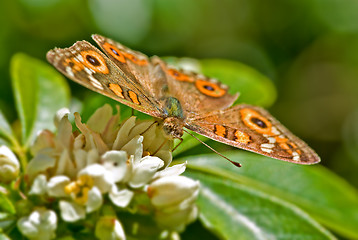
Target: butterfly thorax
x: 174, y: 117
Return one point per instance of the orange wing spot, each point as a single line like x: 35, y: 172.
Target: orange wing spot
x: 242, y: 137
x: 256, y: 121
x: 284, y: 146
x: 116, y: 89
x: 134, y: 97
x: 114, y: 52
x: 94, y: 61
x: 74, y: 64
x: 209, y: 88
x: 281, y: 140
x: 292, y: 145
x: 180, y: 76
x: 299, y: 151
x: 135, y: 60
x: 220, y: 131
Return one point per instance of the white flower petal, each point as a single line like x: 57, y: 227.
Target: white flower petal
x: 80, y: 157
x: 168, y: 192
x: 27, y: 228
x: 120, y: 198
x: 143, y: 127
x: 98, y: 121
x: 145, y: 170
x: 177, y: 221
x: 92, y: 156
x: 166, y: 156
x: 134, y: 147
x: 56, y: 186
x: 63, y: 112
x: 80, y: 142
x: 174, y: 170
x: 122, y: 135
x: 115, y: 162
x: 100, y: 176
x: 45, y: 139
x: 94, y: 201
x: 41, y: 162
x: 65, y: 165
x: 71, y: 212
x: 64, y: 136
x: 39, y: 185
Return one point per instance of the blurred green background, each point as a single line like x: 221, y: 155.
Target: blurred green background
x: 308, y: 48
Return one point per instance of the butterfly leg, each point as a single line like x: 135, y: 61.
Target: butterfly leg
x: 155, y: 122
x: 161, y: 145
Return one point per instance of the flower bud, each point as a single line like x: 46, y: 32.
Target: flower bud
x: 9, y: 165
x: 109, y: 228
x: 40, y: 225
x: 173, y: 191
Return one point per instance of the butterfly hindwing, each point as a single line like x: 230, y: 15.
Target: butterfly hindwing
x: 87, y: 66
x: 254, y: 129
x: 197, y: 93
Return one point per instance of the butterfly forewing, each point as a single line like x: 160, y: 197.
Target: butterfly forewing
x: 184, y: 98
x: 136, y: 65
x: 253, y: 129
x: 86, y: 65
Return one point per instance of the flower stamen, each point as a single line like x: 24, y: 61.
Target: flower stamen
x: 79, y: 189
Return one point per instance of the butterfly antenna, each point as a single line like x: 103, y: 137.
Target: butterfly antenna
x: 212, y: 149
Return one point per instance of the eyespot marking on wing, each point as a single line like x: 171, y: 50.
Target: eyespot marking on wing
x: 135, y: 59
x: 180, y: 76
x: 210, y: 88
x: 116, y: 89
x: 256, y: 121
x: 114, y: 52
x: 94, y: 61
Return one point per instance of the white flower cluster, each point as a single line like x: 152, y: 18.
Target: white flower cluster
x: 102, y: 157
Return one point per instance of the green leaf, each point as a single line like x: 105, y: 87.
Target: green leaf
x: 325, y: 196
x: 6, y: 134
x: 232, y: 209
x: 254, y: 87
x: 5, y: 129
x: 4, y: 237
x: 39, y: 92
x: 6, y: 205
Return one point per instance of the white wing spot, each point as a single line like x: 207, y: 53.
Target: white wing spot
x: 69, y: 71
x: 266, y: 150
x: 275, y: 131
x: 95, y: 82
x: 271, y: 139
x: 79, y: 57
x: 296, y: 156
x: 89, y: 71
x: 267, y: 145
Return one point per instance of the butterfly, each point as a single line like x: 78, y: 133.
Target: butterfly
x: 181, y: 99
